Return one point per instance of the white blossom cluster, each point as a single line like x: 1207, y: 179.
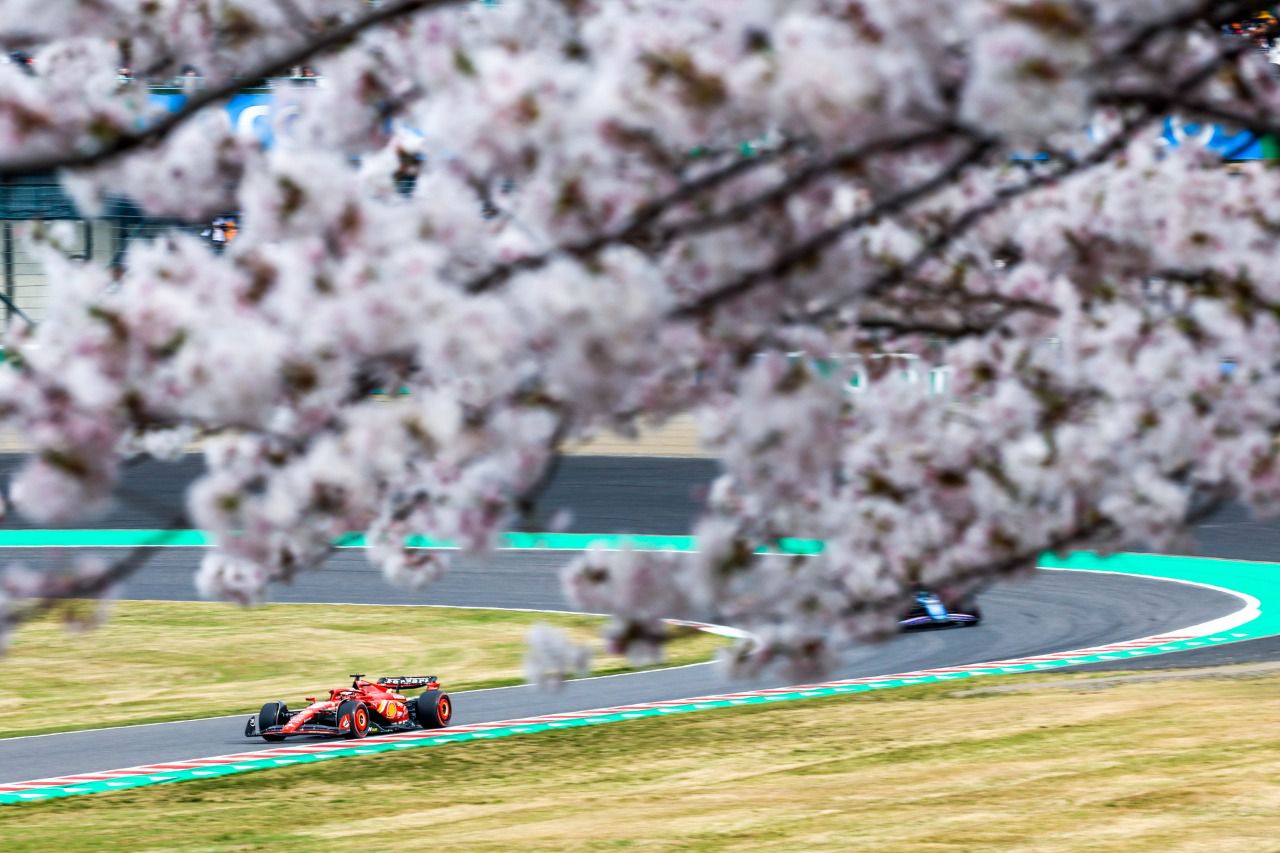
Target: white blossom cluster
x: 551, y: 657
x: 625, y: 210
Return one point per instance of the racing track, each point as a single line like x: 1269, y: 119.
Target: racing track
x: 1052, y: 612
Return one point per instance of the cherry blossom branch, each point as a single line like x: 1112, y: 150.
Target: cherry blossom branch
x: 1004, y: 196
x: 901, y: 327
x: 123, y: 142
x: 1091, y: 530
x: 1211, y: 12
x: 973, y: 216
x: 13, y: 306
x: 340, y: 285
x: 1158, y: 101
x: 58, y: 589
x: 967, y: 220
x: 642, y: 224
x: 644, y: 216
x: 527, y: 501
x: 967, y: 327
x: 841, y: 161
x: 814, y: 246
x: 1259, y: 124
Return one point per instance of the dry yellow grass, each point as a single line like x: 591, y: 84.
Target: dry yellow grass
x: 175, y: 660
x: 1143, y: 766
x: 677, y: 437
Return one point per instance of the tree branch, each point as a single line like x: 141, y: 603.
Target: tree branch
x: 123, y: 143
x: 1261, y: 125
x: 642, y: 219
x: 642, y: 224
x: 814, y: 246
x: 1098, y: 527
x: 94, y: 586
x: 1212, y: 12
x: 849, y: 158
x: 902, y: 322
x: 526, y: 503
x: 1003, y: 197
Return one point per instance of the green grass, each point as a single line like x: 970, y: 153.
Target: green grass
x: 1167, y: 766
x: 155, y: 661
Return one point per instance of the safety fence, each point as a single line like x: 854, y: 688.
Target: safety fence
x: 103, y: 240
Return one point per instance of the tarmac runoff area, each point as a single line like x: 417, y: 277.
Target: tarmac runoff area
x: 1055, y: 620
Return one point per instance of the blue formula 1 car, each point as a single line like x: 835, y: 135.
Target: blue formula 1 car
x: 930, y: 610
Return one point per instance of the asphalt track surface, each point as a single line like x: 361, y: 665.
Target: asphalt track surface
x: 607, y: 494
x: 1051, y: 612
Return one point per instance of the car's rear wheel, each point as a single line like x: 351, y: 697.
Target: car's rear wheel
x: 434, y: 709
x: 356, y: 716
x: 272, y: 714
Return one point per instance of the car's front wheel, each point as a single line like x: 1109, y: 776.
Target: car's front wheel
x: 976, y: 612
x: 272, y: 714
x: 356, y: 716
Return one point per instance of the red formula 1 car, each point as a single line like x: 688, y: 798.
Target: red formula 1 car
x: 355, y: 711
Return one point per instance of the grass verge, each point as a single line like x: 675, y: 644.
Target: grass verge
x: 156, y: 661
x: 1143, y: 766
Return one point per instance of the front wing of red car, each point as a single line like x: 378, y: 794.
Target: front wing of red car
x: 251, y: 730
x: 322, y: 729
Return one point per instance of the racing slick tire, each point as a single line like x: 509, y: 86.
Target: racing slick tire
x: 272, y: 714
x: 975, y: 611
x: 358, y: 714
x: 433, y: 709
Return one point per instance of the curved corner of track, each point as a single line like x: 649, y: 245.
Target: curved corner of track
x: 1131, y: 606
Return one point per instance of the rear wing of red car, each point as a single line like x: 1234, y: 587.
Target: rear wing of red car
x: 409, y: 682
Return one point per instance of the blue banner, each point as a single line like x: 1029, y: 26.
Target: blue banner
x: 251, y: 114
x: 1232, y: 145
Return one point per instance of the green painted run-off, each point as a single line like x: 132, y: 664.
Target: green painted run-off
x: 517, y: 541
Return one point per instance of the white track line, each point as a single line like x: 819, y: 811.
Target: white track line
x: 1252, y: 606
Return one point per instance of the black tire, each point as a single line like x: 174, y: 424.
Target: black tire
x: 433, y: 709
x: 974, y: 611
x: 968, y: 606
x: 272, y: 714
x: 358, y: 715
